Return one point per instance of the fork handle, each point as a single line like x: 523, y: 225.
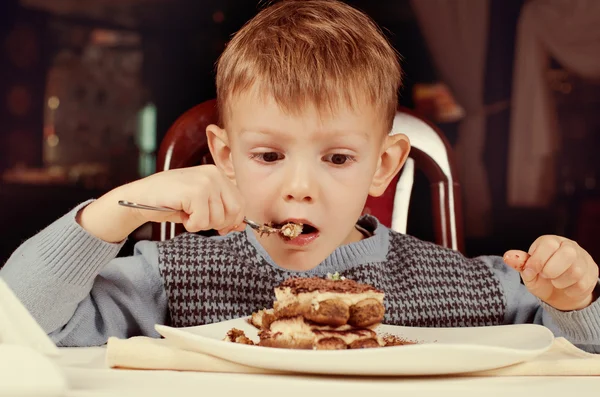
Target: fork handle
x: 145, y: 207
x: 124, y: 203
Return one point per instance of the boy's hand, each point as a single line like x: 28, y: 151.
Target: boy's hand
x: 204, y: 198
x: 558, y: 271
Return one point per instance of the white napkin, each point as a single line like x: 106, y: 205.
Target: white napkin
x: 24, y: 346
x: 562, y: 359
x: 17, y: 327
x: 141, y: 352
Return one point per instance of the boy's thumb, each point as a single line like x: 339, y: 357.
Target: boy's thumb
x: 516, y: 259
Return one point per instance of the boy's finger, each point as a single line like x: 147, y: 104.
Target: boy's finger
x: 569, y: 277
x: 516, y: 259
x: 174, y: 217
x: 239, y: 224
x: 234, y: 206
x: 236, y: 228
x: 223, y: 232
x: 216, y: 213
x: 542, y: 254
x: 198, y: 219
x: 560, y: 262
x: 538, y: 286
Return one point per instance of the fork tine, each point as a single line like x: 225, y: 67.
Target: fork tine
x: 262, y: 229
x: 252, y: 224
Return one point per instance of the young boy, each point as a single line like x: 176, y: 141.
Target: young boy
x: 307, y: 93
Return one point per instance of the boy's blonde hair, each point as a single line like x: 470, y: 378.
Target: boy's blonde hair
x: 311, y: 52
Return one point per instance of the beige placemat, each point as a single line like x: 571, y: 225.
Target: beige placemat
x: 562, y: 359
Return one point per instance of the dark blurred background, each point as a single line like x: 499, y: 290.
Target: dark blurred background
x: 89, y: 88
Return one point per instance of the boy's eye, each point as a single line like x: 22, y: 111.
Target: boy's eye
x: 269, y: 157
x: 337, y: 158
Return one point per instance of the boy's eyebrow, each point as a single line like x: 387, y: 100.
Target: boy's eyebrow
x: 261, y: 131
x: 332, y: 133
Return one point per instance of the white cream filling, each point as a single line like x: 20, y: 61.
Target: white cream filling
x: 297, y: 329
x: 285, y: 297
x: 348, y: 338
x: 291, y: 326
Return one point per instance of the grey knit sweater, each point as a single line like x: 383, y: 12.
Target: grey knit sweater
x: 81, y: 294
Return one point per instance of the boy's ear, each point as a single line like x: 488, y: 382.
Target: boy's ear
x: 218, y: 143
x: 392, y: 158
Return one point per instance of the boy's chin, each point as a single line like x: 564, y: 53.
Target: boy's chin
x: 297, y: 258
x: 321, y: 241
x: 306, y: 257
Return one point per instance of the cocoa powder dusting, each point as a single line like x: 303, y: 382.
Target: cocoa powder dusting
x: 393, y: 340
x: 312, y: 284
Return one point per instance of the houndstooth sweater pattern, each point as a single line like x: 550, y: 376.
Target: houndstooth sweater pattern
x: 209, y: 280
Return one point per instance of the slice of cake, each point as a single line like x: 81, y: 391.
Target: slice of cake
x: 330, y: 301
x: 330, y: 313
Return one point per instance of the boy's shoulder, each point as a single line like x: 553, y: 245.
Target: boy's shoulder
x: 411, y: 244
x: 405, y: 243
x: 406, y: 248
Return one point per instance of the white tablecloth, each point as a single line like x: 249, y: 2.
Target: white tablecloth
x: 88, y: 376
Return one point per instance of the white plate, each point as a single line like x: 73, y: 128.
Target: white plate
x: 439, y: 351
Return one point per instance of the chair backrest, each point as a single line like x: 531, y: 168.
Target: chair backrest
x: 185, y: 145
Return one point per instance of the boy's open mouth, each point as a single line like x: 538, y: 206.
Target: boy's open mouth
x: 301, y: 230
x: 307, y: 227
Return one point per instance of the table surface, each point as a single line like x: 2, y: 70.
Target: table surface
x: 88, y: 375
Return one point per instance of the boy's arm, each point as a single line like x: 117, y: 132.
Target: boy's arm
x: 69, y: 279
x: 580, y: 327
x: 79, y: 292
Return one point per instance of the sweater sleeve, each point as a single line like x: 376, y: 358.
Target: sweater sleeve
x: 80, y: 292
x: 580, y: 327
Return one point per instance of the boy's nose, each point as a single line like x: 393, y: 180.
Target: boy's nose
x: 299, y: 184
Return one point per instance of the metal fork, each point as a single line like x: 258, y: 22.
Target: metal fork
x: 262, y: 229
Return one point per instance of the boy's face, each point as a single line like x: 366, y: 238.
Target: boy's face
x: 308, y: 168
